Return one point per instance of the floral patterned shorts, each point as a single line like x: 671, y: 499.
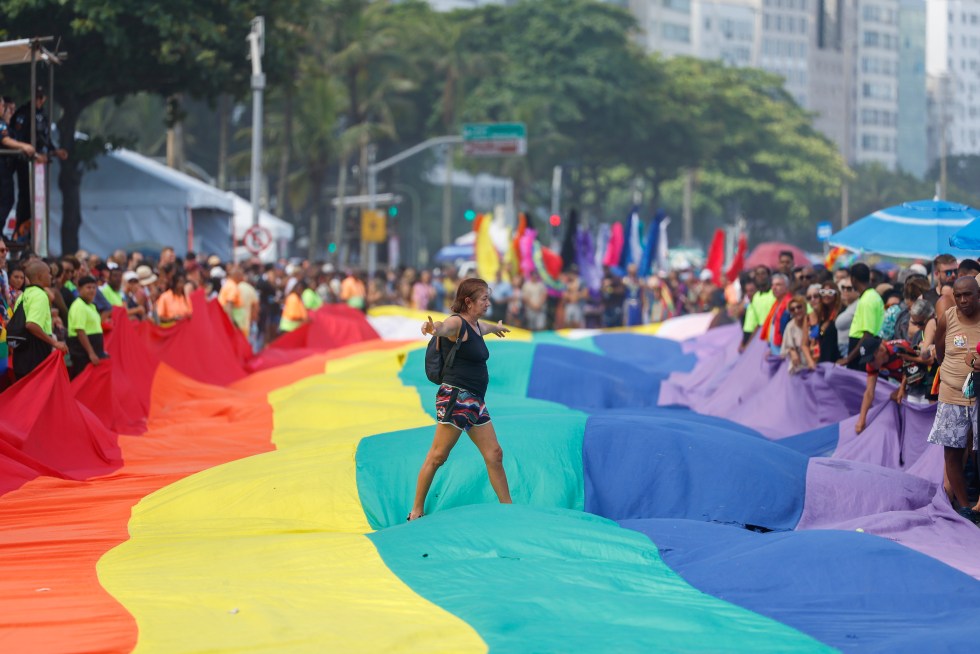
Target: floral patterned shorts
x: 953, y: 425
x: 460, y: 408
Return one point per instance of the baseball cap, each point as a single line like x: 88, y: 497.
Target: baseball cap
x: 130, y: 276
x: 218, y: 272
x: 869, y: 347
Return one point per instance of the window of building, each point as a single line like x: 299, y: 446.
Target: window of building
x: 681, y: 33
x: 678, y: 5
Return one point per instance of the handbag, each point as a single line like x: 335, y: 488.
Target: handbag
x: 969, y: 390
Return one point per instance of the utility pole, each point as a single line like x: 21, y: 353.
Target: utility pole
x: 447, y: 198
x: 556, y: 190
x: 374, y: 168
x: 256, y: 42
x: 688, y: 224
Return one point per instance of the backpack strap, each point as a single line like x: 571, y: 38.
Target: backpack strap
x: 451, y: 356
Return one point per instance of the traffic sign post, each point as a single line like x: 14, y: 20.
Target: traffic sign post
x: 824, y: 231
x: 256, y: 239
x: 373, y: 227
x: 494, y: 139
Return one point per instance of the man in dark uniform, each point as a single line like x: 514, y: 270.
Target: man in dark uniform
x: 8, y: 142
x: 45, y: 149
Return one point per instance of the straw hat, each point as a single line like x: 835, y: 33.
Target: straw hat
x: 145, y: 274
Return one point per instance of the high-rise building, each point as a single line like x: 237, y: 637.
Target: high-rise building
x: 666, y: 26
x: 913, y: 114
x: 876, y: 103
x: 953, y: 67
x: 786, y: 37
x: 831, y: 73
x: 727, y: 30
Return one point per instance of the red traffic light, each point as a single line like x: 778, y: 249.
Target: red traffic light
x: 555, y: 220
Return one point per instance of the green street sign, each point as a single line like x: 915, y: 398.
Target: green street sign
x: 494, y: 139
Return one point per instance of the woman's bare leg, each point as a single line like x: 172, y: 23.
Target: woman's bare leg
x: 485, y: 438
x: 445, y: 438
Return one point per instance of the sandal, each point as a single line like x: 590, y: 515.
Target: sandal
x: 409, y: 518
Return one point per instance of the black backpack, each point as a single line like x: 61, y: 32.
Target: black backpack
x: 435, y: 362
x: 17, y: 328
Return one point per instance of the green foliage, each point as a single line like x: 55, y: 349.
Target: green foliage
x: 347, y: 73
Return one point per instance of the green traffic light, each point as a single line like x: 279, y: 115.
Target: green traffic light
x: 332, y: 248
x: 470, y: 214
x: 392, y: 211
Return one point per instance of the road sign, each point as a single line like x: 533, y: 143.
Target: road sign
x: 373, y: 226
x: 494, y: 139
x: 256, y: 239
x: 824, y: 230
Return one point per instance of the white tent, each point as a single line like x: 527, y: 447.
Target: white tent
x: 282, y: 232
x: 132, y: 202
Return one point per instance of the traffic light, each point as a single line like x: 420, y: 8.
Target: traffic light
x: 470, y: 215
x: 555, y: 220
x: 393, y: 211
x: 332, y: 248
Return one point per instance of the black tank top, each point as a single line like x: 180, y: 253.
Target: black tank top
x: 469, y: 370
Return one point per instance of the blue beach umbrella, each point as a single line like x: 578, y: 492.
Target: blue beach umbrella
x: 911, y: 230
x: 968, y: 238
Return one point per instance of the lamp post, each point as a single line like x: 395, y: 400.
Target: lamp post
x: 416, y: 218
x: 256, y: 43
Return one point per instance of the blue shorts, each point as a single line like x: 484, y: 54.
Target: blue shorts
x: 460, y: 408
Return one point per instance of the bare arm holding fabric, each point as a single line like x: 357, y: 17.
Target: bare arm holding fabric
x: 448, y: 328
x: 497, y: 330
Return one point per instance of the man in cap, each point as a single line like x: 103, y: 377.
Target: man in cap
x: 8, y: 142
x: 44, y: 146
x: 131, y: 294
x: 888, y: 359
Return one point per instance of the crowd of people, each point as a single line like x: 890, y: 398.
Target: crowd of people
x: 911, y: 326
x: 919, y: 333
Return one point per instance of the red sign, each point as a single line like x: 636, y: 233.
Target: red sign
x: 256, y: 239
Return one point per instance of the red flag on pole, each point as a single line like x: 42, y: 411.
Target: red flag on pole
x: 716, y: 256
x: 738, y: 261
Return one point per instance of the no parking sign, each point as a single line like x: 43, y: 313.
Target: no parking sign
x: 256, y: 239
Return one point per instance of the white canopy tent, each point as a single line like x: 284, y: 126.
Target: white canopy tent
x: 132, y: 202
x: 282, y: 232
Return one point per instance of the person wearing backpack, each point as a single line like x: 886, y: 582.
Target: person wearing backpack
x: 459, y: 401
x: 33, y: 343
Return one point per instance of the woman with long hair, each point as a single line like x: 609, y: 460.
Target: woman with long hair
x: 796, y: 337
x: 174, y: 304
x: 823, y: 335
x: 459, y: 401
